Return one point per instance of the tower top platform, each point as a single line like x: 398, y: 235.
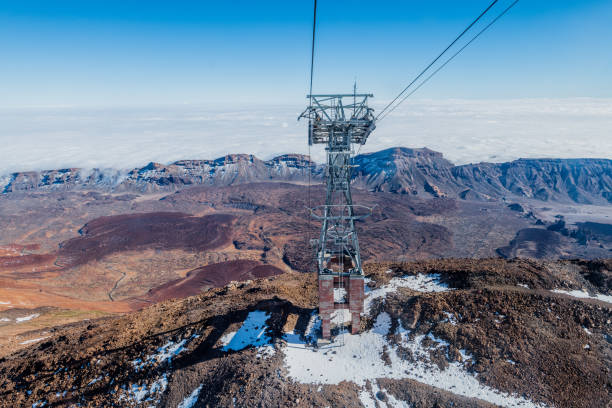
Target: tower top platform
x: 339, y: 115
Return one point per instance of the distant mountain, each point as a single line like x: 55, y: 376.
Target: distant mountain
x: 423, y: 171
x: 227, y: 170
x: 585, y: 181
x: 405, y: 171
x: 420, y: 172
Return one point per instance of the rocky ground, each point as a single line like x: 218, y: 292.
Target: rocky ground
x: 453, y: 332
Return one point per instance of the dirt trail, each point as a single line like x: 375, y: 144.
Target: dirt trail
x: 110, y: 293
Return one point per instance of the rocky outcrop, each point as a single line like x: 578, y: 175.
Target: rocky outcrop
x: 420, y: 172
x: 585, y: 181
x: 405, y: 171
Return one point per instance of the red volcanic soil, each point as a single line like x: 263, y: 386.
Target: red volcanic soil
x: 15, y: 262
x: 159, y: 230
x: 212, y: 276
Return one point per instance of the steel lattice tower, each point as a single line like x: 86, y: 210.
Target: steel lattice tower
x: 340, y: 121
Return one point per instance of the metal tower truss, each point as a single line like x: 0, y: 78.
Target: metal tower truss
x: 339, y: 121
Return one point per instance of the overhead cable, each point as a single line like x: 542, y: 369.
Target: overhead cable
x: 450, y: 59
x: 437, y: 58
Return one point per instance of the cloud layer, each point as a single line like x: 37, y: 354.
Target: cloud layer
x: 464, y: 130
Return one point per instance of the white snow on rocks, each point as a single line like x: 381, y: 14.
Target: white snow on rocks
x: 451, y: 318
x: 421, y: 283
x: 164, y: 353
x: 34, y: 340
x: 2, y: 302
x: 584, y: 295
x: 340, y: 316
x: 359, y: 359
x: 95, y: 380
x: 141, y: 392
x: 168, y: 350
x: 431, y: 282
x: 339, y: 295
x: 368, y: 399
x: 191, y: 399
x: 251, y: 333
x: 26, y: 318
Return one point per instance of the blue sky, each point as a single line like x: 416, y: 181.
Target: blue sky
x: 112, y: 53
x: 121, y: 83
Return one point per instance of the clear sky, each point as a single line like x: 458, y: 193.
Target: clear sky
x: 120, y: 83
x: 111, y: 53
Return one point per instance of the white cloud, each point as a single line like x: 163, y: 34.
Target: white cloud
x: 464, y: 130
x: 469, y: 131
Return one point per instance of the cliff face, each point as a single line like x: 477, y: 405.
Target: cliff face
x: 421, y: 172
x: 425, y: 172
x: 584, y: 181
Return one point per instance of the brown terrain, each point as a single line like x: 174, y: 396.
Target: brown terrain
x: 523, y: 339
x: 70, y: 255
x: 92, y: 281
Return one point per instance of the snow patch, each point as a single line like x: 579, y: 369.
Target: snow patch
x: 522, y: 285
x: 140, y: 392
x: 2, y: 302
x: 587, y: 331
x: 584, y: 295
x: 191, y: 399
x: 95, y: 380
x: 164, y: 353
x: 251, y: 333
x: 168, y: 350
x: 421, y: 283
x: 465, y: 356
x: 359, y: 358
x: 368, y: 399
x: 451, y: 318
x: 339, y: 295
x: 394, y: 402
x: 340, y: 316
x: 26, y: 318
x: 34, y: 340
x: 439, y: 342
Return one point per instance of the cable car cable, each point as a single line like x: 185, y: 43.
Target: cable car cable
x: 438, y: 57
x: 450, y: 59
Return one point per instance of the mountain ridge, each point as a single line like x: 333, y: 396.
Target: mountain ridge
x: 402, y: 170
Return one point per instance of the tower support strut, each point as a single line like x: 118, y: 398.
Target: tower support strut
x: 339, y: 121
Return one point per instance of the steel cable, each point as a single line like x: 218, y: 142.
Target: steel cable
x: 437, y: 58
x: 451, y: 58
